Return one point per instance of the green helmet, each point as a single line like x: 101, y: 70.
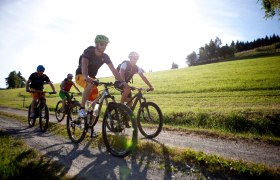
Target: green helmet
x: 101, y: 38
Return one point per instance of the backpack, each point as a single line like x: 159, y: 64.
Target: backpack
x: 128, y: 72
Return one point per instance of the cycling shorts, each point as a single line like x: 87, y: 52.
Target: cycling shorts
x: 63, y: 95
x: 119, y: 86
x: 80, y: 80
x: 36, y: 95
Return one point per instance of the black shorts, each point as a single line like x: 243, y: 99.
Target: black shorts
x: 119, y: 86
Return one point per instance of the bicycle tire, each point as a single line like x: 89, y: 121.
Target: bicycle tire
x: 44, y: 117
x: 76, y: 126
x: 149, y: 120
x: 31, y: 121
x: 59, y: 115
x: 120, y: 140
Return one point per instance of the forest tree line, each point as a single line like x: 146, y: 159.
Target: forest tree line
x: 215, y: 52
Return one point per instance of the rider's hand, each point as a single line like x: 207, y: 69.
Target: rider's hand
x: 126, y: 85
x: 54, y: 92
x: 89, y: 79
x: 151, y: 89
x: 95, y: 82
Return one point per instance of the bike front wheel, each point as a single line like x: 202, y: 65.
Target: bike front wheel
x: 76, y: 126
x: 44, y: 117
x: 119, y: 130
x: 149, y: 120
x: 59, y: 114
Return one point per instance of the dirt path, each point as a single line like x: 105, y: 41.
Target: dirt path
x: 81, y: 160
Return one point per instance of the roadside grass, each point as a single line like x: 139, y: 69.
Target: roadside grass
x: 19, y: 161
x: 170, y: 159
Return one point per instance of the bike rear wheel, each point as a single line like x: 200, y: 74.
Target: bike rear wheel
x: 76, y: 126
x: 119, y: 130
x: 31, y: 121
x: 44, y: 117
x: 59, y: 114
x: 149, y: 120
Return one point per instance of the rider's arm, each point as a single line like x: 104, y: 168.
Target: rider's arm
x: 122, y: 73
x: 62, y: 85
x: 27, y: 85
x: 51, y: 84
x: 146, y: 81
x: 85, y: 70
x: 76, y: 87
x: 117, y: 75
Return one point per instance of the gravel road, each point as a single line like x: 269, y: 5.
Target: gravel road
x: 82, y: 161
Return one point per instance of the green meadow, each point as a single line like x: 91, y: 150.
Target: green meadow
x: 236, y: 97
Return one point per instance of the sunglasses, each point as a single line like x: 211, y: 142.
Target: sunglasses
x: 103, y: 44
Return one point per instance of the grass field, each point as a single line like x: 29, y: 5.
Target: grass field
x: 237, y: 96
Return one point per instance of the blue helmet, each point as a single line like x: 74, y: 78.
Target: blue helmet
x: 40, y: 68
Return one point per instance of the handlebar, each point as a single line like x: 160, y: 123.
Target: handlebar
x: 140, y: 89
x: 41, y: 92
x: 97, y: 83
x: 77, y: 93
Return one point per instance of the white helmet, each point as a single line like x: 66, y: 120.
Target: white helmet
x: 133, y: 54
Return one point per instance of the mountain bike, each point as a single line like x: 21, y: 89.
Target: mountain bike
x: 41, y: 111
x: 118, y: 138
x: 59, y: 113
x: 149, y: 116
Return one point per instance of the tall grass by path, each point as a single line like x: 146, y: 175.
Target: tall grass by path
x: 20, y: 162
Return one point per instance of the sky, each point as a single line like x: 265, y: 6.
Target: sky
x: 55, y: 33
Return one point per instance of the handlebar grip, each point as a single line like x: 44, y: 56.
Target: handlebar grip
x: 95, y: 82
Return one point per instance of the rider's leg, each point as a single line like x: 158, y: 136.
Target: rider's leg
x: 128, y: 99
x: 63, y: 104
x: 63, y: 98
x: 125, y: 94
x: 86, y: 93
x: 33, y: 104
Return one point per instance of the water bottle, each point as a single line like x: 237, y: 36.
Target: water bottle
x: 95, y: 111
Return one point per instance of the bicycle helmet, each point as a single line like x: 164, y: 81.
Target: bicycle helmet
x: 101, y: 38
x: 40, y: 68
x: 69, y: 75
x: 133, y: 54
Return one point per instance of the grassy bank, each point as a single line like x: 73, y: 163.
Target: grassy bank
x: 18, y: 161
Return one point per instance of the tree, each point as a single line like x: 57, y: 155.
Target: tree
x: 271, y: 8
x: 22, y: 81
x: 174, y: 66
x: 192, y: 59
x: 15, y: 80
x: 226, y: 52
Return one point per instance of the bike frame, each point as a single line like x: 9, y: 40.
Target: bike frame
x: 138, y: 98
x: 100, y: 100
x: 41, y: 101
